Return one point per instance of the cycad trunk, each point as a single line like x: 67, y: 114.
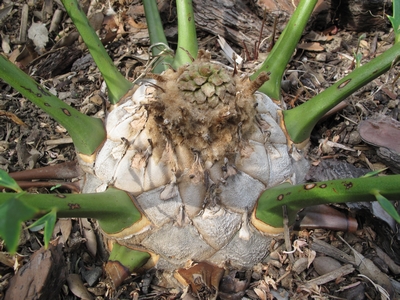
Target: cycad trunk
x: 195, y: 148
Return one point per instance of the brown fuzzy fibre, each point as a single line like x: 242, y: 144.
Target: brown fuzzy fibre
x: 206, y: 108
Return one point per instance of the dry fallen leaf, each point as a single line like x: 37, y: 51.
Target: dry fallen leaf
x: 311, y: 46
x: 88, y: 233
x: 5, y: 43
x: 317, y: 37
x: 39, y: 34
x: 260, y: 293
x: 7, y: 259
x: 64, y: 226
x: 76, y: 286
x: 12, y: 117
x: 381, y: 131
x: 201, y: 276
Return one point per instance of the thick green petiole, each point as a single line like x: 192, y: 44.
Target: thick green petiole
x: 117, y: 84
x: 395, y: 20
x: 157, y: 37
x: 123, y: 261
x: 187, y: 39
x: 114, y: 209
x: 301, y: 120
x: 86, y: 132
x: 269, y: 207
x: 131, y: 259
x: 278, y: 58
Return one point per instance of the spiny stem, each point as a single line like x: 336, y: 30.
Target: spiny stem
x: 276, y: 62
x: 86, y: 132
x: 117, y: 84
x: 269, y: 207
x: 301, y: 120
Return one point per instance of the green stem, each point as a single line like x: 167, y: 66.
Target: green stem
x: 87, y: 132
x: 301, y: 120
x: 123, y: 261
x: 117, y: 84
x: 187, y: 40
x: 157, y: 36
x: 395, y: 20
x: 129, y: 258
x: 269, y: 207
x: 113, y: 208
x: 276, y: 62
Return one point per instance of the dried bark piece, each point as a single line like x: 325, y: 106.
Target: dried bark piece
x: 41, y: 278
x: 367, y: 268
x: 393, y: 267
x: 237, y: 21
x: 331, y: 169
x: 339, y: 272
x: 55, y: 62
x: 327, y: 249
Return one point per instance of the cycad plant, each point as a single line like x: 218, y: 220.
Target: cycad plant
x: 192, y: 152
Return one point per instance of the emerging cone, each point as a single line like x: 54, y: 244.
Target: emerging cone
x: 196, y: 148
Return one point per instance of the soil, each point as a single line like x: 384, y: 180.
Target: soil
x: 30, y: 139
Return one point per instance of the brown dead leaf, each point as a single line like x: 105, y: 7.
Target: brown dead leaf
x: 317, y: 37
x: 40, y: 278
x: 12, y: 117
x: 134, y: 24
x: 201, y: 276
x: 381, y: 131
x: 88, y: 233
x: 260, y: 293
x: 310, y: 257
x: 76, y: 286
x: 6, y: 259
x: 313, y: 46
x: 64, y: 226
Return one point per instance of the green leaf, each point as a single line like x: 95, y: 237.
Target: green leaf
x: 49, y: 221
x: 55, y: 187
x: 7, y: 182
x: 13, y: 213
x: 374, y: 173
x: 387, y: 206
